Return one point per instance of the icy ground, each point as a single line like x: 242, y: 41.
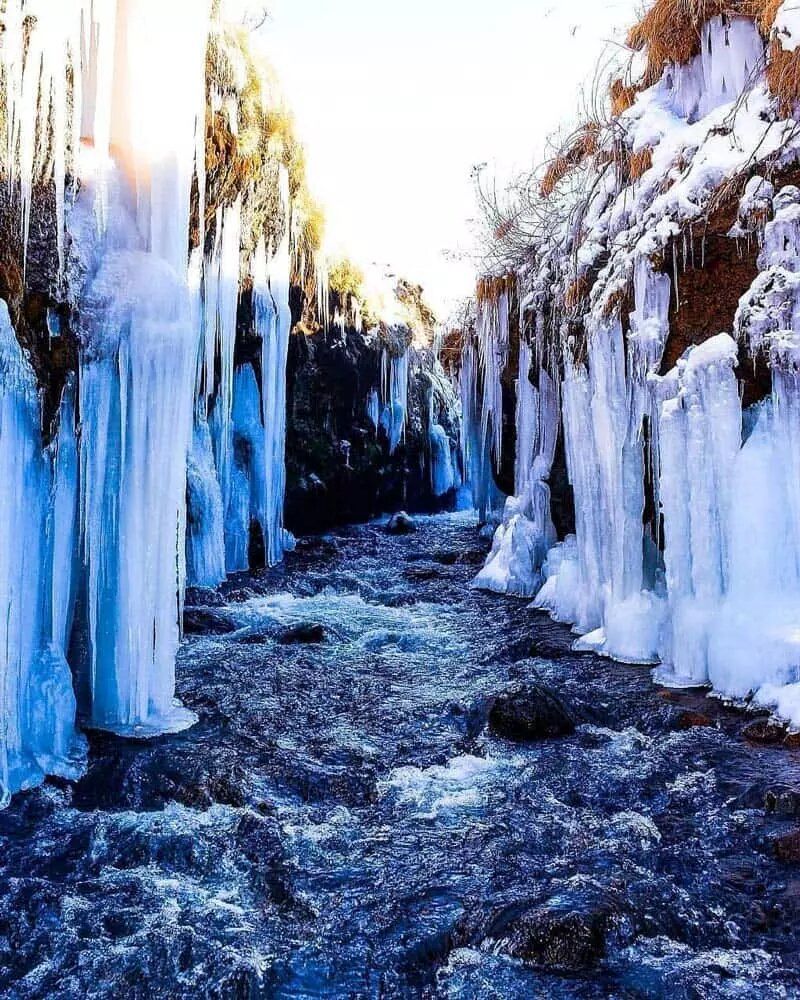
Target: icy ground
x: 340, y: 823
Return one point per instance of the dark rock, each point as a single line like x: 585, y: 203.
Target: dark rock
x: 555, y: 936
x: 241, y: 595
x: 204, y: 597
x: 782, y: 800
x: 255, y: 638
x: 765, y: 731
x: 787, y: 847
x: 528, y: 713
x: 401, y: 524
x: 207, y: 621
x: 305, y: 633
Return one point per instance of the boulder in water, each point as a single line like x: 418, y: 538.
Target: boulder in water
x: 556, y: 936
x: 207, y: 621
x: 401, y: 524
x: 306, y: 633
x: 529, y: 713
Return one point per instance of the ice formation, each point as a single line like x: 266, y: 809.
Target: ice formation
x: 521, y: 543
x: 98, y: 521
x: 38, y: 704
x: 273, y: 322
x: 686, y: 552
x: 394, y: 380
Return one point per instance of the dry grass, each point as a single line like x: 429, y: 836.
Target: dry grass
x: 783, y: 76
x: 622, y: 97
x: 640, y: 163
x: 577, y: 292
x: 490, y: 289
x: 578, y: 148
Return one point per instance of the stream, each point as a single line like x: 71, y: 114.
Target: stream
x: 343, y: 823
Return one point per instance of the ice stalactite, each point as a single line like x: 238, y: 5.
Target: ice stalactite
x: 274, y: 323
x: 221, y: 301
x: 205, y: 531
x: 138, y: 362
x: 247, y: 488
x: 476, y: 449
x: 374, y: 408
x: 395, y: 373
x: 700, y: 431
x: 443, y: 477
x: 618, y: 606
x: 136, y: 404
x: 731, y: 496
x: 493, y: 345
x: 38, y: 704
x: 522, y: 541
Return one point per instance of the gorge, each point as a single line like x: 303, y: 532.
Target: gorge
x: 349, y: 650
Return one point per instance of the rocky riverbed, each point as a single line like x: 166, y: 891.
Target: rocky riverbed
x: 400, y: 787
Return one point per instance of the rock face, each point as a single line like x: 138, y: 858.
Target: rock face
x: 529, y: 713
x: 339, y: 466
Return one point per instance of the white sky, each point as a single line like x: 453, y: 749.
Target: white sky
x: 396, y: 102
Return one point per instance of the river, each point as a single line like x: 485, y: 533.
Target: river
x: 342, y: 822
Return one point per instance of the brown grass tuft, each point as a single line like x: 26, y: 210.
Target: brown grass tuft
x: 576, y: 293
x: 640, y: 163
x: 578, y: 148
x: 622, y: 97
x: 783, y: 76
x: 490, y: 289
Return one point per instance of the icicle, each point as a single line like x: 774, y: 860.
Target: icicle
x: 276, y: 330
x: 38, y: 705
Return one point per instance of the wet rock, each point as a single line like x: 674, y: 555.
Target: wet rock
x: 306, y: 633
x: 207, y: 621
x: 204, y: 597
x: 787, y: 847
x: 255, y: 638
x: 782, y: 800
x: 566, y: 936
x: 401, y: 524
x: 687, y: 719
x: 241, y: 595
x: 765, y: 730
x: 528, y: 713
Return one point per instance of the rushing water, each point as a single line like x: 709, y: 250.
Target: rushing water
x: 341, y: 824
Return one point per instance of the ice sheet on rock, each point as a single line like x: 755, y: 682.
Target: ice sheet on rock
x: 521, y: 543
x: 205, y: 534
x: 136, y: 404
x: 38, y: 704
x: 443, y: 477
x: 247, y: 489
x: 476, y: 447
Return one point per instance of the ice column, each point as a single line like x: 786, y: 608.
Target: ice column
x: 38, y: 705
x: 395, y: 372
x: 138, y: 364
x: 274, y: 322
x: 522, y: 541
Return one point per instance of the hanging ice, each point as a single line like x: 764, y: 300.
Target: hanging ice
x: 521, y: 543
x: 205, y: 534
x: 274, y: 322
x: 38, y: 704
x: 138, y: 361
x: 395, y: 396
